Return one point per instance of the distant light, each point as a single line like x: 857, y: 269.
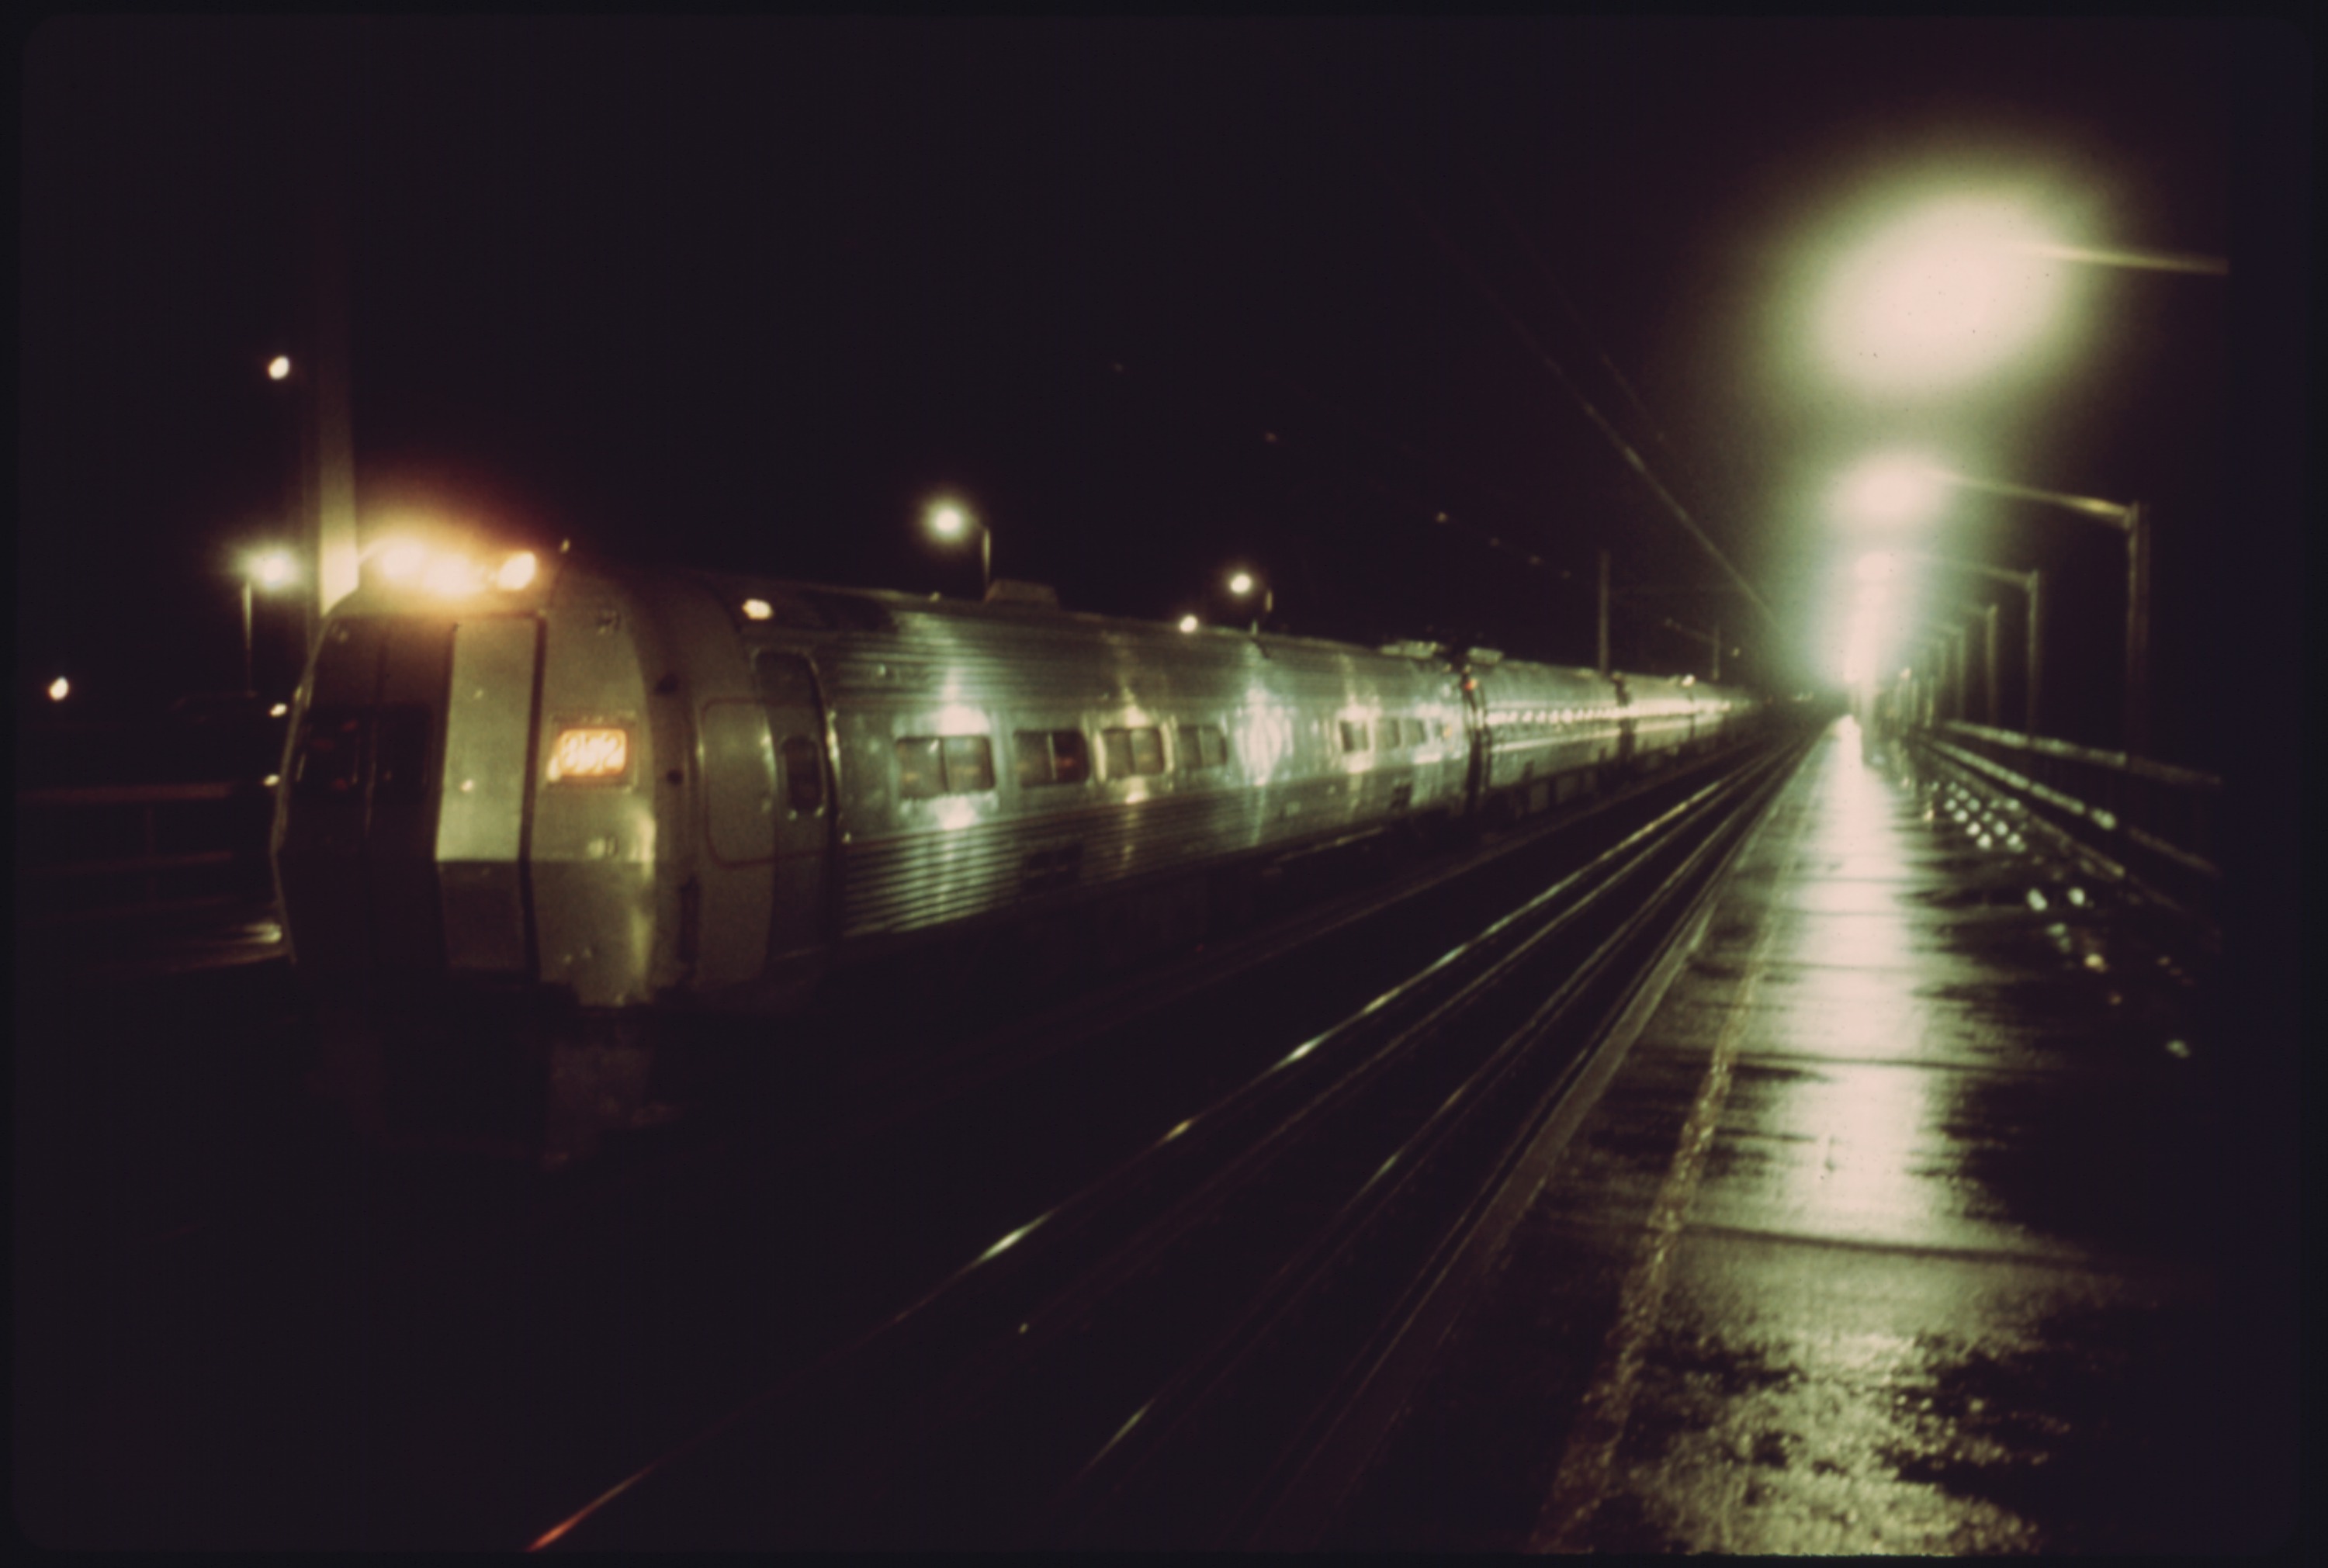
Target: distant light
x: 279, y: 368
x: 59, y: 688
x: 758, y: 609
x: 948, y: 520
x: 279, y: 711
x: 273, y: 568
x: 516, y: 572
x: 1241, y: 583
x: 270, y: 781
x: 1187, y: 622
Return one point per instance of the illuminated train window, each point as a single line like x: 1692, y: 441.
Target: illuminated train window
x: 1130, y: 752
x: 1202, y: 746
x: 1052, y: 756
x: 930, y: 766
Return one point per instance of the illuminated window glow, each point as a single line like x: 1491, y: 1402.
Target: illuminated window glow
x: 595, y: 753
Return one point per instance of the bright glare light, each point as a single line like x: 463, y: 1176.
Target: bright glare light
x: 758, y: 609
x: 278, y: 367
x: 60, y: 689
x: 1943, y: 296
x: 400, y: 562
x: 948, y: 520
x: 1241, y: 583
x: 279, y: 711
x: 1187, y: 622
x: 1895, y: 489
x: 1876, y: 566
x: 272, y: 569
x: 449, y: 574
x: 516, y: 572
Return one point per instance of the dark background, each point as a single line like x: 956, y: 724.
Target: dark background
x: 1154, y: 297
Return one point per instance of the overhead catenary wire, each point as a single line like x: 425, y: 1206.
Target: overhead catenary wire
x: 1576, y: 319
x: 1470, y: 270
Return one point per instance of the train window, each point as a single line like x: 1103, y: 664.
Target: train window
x: 956, y: 765
x: 803, y: 776
x: 1133, y: 751
x: 330, y: 761
x: 1202, y: 746
x: 1354, y: 737
x: 969, y: 764
x: 1386, y: 734
x: 921, y: 769
x: 1049, y: 757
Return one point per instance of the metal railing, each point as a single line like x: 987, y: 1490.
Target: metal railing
x: 2158, y: 822
x: 107, y: 852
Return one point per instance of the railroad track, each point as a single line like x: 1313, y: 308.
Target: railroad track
x: 1187, y: 1350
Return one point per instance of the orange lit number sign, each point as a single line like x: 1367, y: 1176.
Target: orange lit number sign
x: 590, y: 754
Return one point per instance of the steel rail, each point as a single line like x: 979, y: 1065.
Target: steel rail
x: 1504, y: 944
x: 1474, y: 971
x: 1204, y: 1377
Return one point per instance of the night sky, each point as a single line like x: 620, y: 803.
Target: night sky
x: 1154, y: 298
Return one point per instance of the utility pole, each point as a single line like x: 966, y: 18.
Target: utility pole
x: 1600, y: 642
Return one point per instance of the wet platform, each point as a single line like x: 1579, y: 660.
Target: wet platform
x: 1895, y: 1231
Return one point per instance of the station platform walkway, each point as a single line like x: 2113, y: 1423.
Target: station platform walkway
x: 1891, y: 1233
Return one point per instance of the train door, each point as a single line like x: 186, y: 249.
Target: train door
x: 356, y: 852
x: 799, y: 921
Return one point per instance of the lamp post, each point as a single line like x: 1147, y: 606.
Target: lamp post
x: 2031, y: 583
x: 2131, y: 522
x: 950, y: 521
x: 269, y: 569
x: 1954, y: 290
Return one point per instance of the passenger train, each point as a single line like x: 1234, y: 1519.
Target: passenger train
x: 624, y: 792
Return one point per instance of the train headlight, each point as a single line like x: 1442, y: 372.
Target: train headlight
x: 590, y: 752
x: 516, y: 572
x: 401, y: 562
x: 449, y: 574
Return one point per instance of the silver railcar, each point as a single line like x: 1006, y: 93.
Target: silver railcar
x: 633, y: 790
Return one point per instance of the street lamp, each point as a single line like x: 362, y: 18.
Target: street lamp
x: 951, y: 521
x: 1883, y: 564
x: 2133, y: 524
x: 269, y: 569
x: 1244, y: 585
x: 1942, y: 295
